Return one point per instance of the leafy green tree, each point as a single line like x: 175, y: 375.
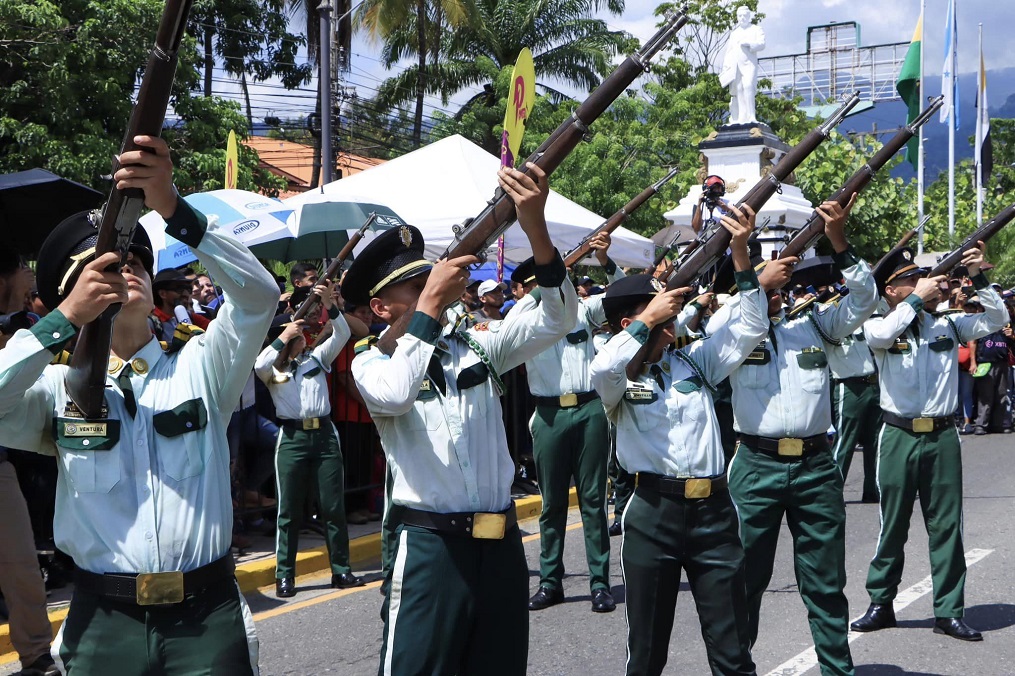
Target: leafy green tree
x: 67, y: 78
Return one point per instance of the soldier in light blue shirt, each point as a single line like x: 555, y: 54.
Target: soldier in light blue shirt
x: 143, y: 500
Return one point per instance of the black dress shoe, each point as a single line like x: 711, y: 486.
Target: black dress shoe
x: 346, y: 581
x: 285, y: 587
x: 602, y: 601
x: 546, y: 597
x: 616, y: 529
x: 42, y: 666
x: 956, y: 628
x: 870, y: 499
x: 877, y: 617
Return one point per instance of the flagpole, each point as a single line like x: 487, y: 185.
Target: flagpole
x: 977, y: 161
x: 951, y: 131
x: 919, y: 158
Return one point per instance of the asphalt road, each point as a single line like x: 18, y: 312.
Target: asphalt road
x: 323, y: 631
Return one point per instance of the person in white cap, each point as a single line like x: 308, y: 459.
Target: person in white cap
x: 491, y: 295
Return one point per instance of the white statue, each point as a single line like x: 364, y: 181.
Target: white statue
x: 740, y: 67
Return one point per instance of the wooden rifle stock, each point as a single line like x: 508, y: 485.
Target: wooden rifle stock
x: 479, y: 233
x: 335, y: 268
x: 982, y: 234
x: 577, y: 254
x: 715, y: 244
x: 86, y: 378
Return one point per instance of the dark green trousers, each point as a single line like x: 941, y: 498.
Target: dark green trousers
x: 456, y: 606
x: 856, y: 415
x: 808, y: 491
x: 310, y: 461
x: 208, y: 635
x: 566, y: 443
x: 929, y: 465
x: 664, y: 534
x: 621, y: 480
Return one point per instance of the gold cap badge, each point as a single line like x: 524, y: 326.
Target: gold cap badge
x: 406, y: 236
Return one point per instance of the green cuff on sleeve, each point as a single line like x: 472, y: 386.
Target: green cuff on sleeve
x: 696, y: 305
x: 846, y: 259
x: 277, y: 345
x: 424, y: 327
x: 639, y: 330
x: 187, y: 224
x: 334, y: 313
x: 746, y: 280
x: 915, y: 301
x: 553, y: 274
x: 54, y: 331
x: 980, y: 281
x: 611, y: 267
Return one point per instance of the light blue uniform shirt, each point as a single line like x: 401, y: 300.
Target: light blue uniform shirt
x: 151, y: 493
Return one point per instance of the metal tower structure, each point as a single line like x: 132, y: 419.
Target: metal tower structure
x: 835, y: 62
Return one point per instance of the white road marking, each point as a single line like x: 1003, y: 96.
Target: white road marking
x: 808, y: 659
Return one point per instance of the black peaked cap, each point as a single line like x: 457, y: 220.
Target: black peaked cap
x: 628, y: 292
x: 897, y: 265
x: 393, y: 256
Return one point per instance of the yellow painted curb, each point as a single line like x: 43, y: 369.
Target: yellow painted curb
x: 261, y: 573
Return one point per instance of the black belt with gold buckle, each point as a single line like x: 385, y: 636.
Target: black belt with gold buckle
x: 871, y: 379
x: 785, y: 448
x: 303, y: 424
x: 153, y: 589
x: 691, y: 489
x: 477, y: 525
x: 918, y: 425
x: 567, y: 400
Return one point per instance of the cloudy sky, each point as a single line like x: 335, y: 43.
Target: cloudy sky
x: 785, y: 24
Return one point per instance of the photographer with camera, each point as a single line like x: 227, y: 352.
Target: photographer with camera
x: 713, y: 188
x: 20, y: 577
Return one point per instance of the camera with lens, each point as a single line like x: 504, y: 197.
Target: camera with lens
x: 713, y: 189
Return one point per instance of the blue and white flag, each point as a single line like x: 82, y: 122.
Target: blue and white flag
x: 949, y: 73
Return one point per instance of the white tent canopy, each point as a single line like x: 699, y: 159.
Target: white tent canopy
x: 442, y: 184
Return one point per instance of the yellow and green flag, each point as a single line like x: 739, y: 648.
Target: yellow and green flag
x: 232, y: 162
x: 520, y: 99
x: 909, y: 85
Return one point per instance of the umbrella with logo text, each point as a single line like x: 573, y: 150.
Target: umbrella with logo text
x: 254, y: 220
x: 321, y: 223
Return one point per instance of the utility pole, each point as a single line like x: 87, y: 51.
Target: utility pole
x: 327, y: 152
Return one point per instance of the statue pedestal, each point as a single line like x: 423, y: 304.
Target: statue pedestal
x: 741, y: 154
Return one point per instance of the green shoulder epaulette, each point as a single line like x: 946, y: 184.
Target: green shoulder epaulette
x: 365, y: 344
x: 63, y: 357
x: 182, y: 334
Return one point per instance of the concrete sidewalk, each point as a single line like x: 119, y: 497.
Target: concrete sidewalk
x: 256, y: 567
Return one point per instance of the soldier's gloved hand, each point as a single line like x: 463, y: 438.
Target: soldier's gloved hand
x: 94, y: 291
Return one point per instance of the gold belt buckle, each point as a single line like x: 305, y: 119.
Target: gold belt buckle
x: 311, y: 423
x: 791, y: 447
x: 695, y: 489
x: 568, y: 400
x: 487, y: 526
x: 154, y: 589
x: 923, y: 425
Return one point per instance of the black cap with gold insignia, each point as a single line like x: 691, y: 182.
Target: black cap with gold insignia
x: 525, y: 272
x: 896, y: 265
x: 392, y: 257
x: 815, y: 271
x: 628, y: 292
x: 71, y: 246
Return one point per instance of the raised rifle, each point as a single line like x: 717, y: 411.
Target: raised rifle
x: 982, y: 234
x: 714, y: 245
x: 86, y: 378
x: 335, y: 268
x: 479, y: 233
x: 583, y: 249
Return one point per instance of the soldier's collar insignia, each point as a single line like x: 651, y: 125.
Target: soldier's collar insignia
x: 115, y: 364
x: 139, y: 365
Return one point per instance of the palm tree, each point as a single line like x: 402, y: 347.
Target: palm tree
x: 386, y: 18
x: 568, y: 46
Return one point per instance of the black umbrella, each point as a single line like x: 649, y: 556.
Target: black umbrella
x: 34, y: 202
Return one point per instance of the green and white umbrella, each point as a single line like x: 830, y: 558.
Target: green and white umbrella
x: 321, y: 224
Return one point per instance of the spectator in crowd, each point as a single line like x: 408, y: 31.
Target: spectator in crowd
x: 20, y: 578
x: 304, y: 274
x: 991, y: 381
x: 206, y: 295
x: 966, y: 300
x: 583, y: 285
x: 491, y: 299
x: 470, y: 298
x: 171, y: 292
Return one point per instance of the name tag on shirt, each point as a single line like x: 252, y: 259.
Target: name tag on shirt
x: 83, y: 429
x: 638, y: 393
